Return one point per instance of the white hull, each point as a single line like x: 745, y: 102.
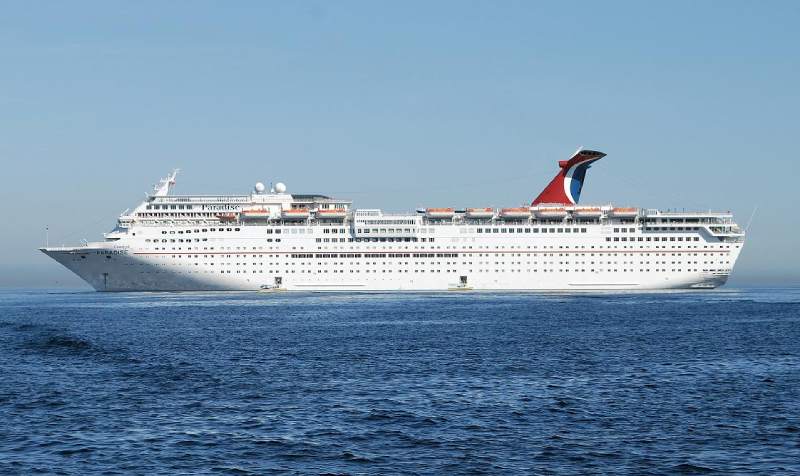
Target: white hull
x: 524, y: 262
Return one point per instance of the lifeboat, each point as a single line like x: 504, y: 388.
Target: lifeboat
x: 295, y: 214
x: 624, y: 212
x: 255, y: 214
x: 480, y: 213
x: 550, y: 212
x: 587, y: 212
x: 336, y: 213
x: 226, y: 216
x: 515, y: 213
x: 439, y: 212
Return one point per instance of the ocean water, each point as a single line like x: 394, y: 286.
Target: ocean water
x: 460, y: 383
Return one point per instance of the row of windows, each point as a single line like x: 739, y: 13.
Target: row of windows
x: 428, y: 255
x: 641, y: 247
x: 531, y: 230
x: 423, y: 240
x: 375, y: 240
x: 370, y: 255
x: 355, y: 265
x: 544, y: 270
x: 388, y: 222
x: 671, y: 228
x: 169, y: 207
x: 424, y: 255
x: 203, y: 230
x: 196, y: 240
x: 655, y: 238
x: 170, y: 215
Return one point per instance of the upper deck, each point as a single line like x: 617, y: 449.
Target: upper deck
x: 276, y: 207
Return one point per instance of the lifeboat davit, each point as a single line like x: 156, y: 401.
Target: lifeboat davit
x: 624, y: 212
x: 550, y: 212
x: 587, y: 212
x: 515, y: 213
x: 336, y: 213
x: 255, y: 214
x: 226, y: 216
x: 480, y: 213
x: 439, y: 212
x: 295, y: 214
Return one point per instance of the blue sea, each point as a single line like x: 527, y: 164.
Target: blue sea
x: 460, y: 383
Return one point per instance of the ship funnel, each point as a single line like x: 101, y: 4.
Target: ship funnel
x: 566, y: 186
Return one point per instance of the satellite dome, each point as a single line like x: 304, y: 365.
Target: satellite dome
x: 280, y: 187
x: 259, y: 188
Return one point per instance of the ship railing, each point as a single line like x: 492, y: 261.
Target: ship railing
x: 83, y: 246
x: 202, y: 199
x: 725, y: 230
x: 360, y: 221
x: 650, y: 213
x: 66, y: 248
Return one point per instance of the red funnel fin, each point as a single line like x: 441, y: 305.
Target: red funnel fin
x: 566, y: 186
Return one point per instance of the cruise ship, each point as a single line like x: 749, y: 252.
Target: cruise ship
x: 275, y: 240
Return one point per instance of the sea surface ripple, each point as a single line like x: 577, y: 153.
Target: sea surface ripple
x: 460, y: 383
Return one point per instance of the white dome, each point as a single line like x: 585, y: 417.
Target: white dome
x: 259, y: 188
x: 280, y: 187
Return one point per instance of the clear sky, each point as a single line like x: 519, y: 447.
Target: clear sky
x: 397, y: 105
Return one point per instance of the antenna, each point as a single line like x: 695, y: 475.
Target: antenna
x: 752, y: 215
x: 164, y: 185
x: 47, y: 237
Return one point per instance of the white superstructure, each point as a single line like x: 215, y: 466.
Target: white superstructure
x: 276, y: 240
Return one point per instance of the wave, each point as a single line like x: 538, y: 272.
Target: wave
x: 686, y: 468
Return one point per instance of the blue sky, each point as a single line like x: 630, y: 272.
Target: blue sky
x: 397, y: 105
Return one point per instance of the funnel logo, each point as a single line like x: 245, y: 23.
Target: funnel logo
x: 566, y: 186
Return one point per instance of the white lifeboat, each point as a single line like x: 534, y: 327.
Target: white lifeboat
x: 439, y: 212
x: 587, y: 212
x: 480, y: 213
x: 624, y: 212
x: 295, y: 214
x: 255, y: 214
x: 550, y: 212
x: 515, y: 213
x: 335, y: 213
